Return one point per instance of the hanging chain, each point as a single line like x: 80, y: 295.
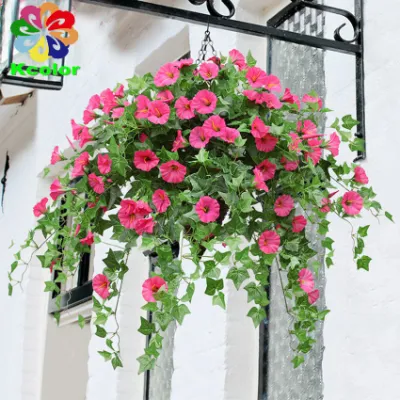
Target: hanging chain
x: 207, y: 42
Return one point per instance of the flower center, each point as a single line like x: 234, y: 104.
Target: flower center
x: 158, y: 113
x: 206, y: 209
x: 103, y: 285
x: 206, y: 101
x: 215, y: 127
x: 170, y: 74
x: 174, y: 168
x: 154, y: 288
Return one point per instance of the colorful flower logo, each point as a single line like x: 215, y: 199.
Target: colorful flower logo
x: 44, y: 32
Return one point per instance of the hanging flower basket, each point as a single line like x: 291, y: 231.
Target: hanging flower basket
x: 211, y: 157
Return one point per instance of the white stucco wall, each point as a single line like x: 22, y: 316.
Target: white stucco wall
x: 216, y: 353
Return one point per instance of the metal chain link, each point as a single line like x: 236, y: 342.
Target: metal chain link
x: 205, y: 44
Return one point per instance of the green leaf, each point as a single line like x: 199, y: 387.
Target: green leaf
x: 329, y: 261
x: 202, y: 157
x: 146, y: 363
x: 219, y: 300
x: 81, y: 321
x: 348, y: 122
x: 389, y: 216
x: 61, y: 277
x: 179, y: 312
x: 101, y: 332
x: 50, y: 286
x: 146, y: 327
x: 327, y: 243
x: 256, y: 293
x: 250, y: 60
x: 257, y: 315
x: 150, y: 307
x: 323, y: 227
x: 116, y: 362
x: 233, y: 242
x: 106, y: 355
x: 363, y: 230
x: 163, y: 319
x: 363, y: 263
x: 10, y: 289
x: 238, y: 276
x: 213, y: 286
x: 189, y: 293
x: 101, y: 319
x: 297, y: 361
x: 245, y: 202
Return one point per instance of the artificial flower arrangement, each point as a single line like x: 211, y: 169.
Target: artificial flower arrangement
x: 210, y: 157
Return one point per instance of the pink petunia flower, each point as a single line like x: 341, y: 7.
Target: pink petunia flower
x: 117, y: 112
x: 208, y: 71
x: 306, y: 280
x: 184, y: 108
x: 290, y: 98
x: 307, y: 128
x: 229, y: 135
x: 79, y: 164
x: 161, y: 200
x: 145, y: 225
x: 76, y: 129
x: 315, y: 152
x: 107, y: 97
x: 94, y: 103
x: 143, y: 137
x: 289, y: 165
x: 104, y: 163
x: 256, y: 77
x: 258, y: 128
x: 214, y: 126
x: 132, y: 215
x: 179, y: 142
x: 96, y: 183
x: 77, y: 230
x: 352, y: 203
x: 184, y: 62
x: 88, y: 240
x: 70, y: 143
x: 269, y: 242
x: 55, y: 156
x: 295, y: 142
x: 142, y: 107
x: 267, y: 143
x: 283, y: 205
x: 313, y: 296
x: 101, y: 285
x: 159, y: 112
x: 298, y: 224
x: 145, y: 160
x: 88, y: 116
x: 326, y: 202
x: 267, y: 169
x: 56, y: 189
x: 40, y: 208
x: 85, y: 137
x: 166, y: 96
x: 238, y: 59
x: 311, y: 99
x: 271, y: 101
x: 252, y: 95
x: 204, y: 102
x: 360, y: 175
x: 173, y: 172
x: 259, y: 180
x: 333, y: 144
x: 151, y: 286
x: 207, y: 209
x: 167, y: 75
x: 198, y: 137
x: 119, y: 92
x: 273, y: 84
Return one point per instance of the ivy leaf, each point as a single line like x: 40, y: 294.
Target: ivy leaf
x: 189, y: 293
x: 116, y: 362
x: 101, y: 332
x: 163, y: 319
x: 219, y: 300
x: 61, y: 277
x: 238, y: 276
x: 233, y: 242
x: 297, y: 361
x: 101, y: 319
x: 327, y: 243
x: 363, y: 263
x: 179, y: 312
x: 256, y: 293
x: 146, y: 363
x: 213, y: 286
x: 245, y: 202
x: 257, y: 315
x: 146, y: 327
x: 349, y: 122
x: 81, y: 321
x: 202, y: 156
x: 389, y: 216
x: 10, y: 289
x: 106, y: 355
x: 250, y: 60
x: 363, y: 230
x: 323, y: 227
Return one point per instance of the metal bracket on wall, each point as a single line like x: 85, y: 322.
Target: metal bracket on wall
x: 354, y: 46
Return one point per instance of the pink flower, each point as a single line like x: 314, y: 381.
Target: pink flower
x: 76, y: 129
x: 229, y: 135
x: 333, y: 144
x: 104, y: 163
x: 158, y: 112
x: 258, y: 128
x: 179, y: 142
x: 267, y: 169
x: 208, y: 71
x: 307, y: 128
x: 294, y: 144
x: 96, y: 183
x: 271, y: 101
x: 298, y: 224
x: 283, y: 205
x: 167, y: 75
x: 204, y: 102
x: 198, y: 138
x: 55, y: 156
x: 259, y: 180
x: 79, y: 164
x: 352, y: 203
x: 214, y: 126
x: 207, y: 209
x: 360, y: 176
x: 273, y: 83
x: 173, y: 172
x: 238, y: 59
x: 145, y: 225
x: 290, y: 98
x: 108, y: 99
x: 88, y: 116
x: 252, y: 95
x: 151, y: 286
x: 256, y: 77
x: 267, y: 143
x: 131, y: 212
x: 88, y: 240
x: 184, y: 62
x: 315, y: 151
x: 306, y: 280
x: 142, y: 107
x: 269, y: 242
x: 145, y: 160
x: 161, y: 200
x: 289, y: 165
x: 70, y: 143
x: 184, y: 108
x: 119, y: 92
x: 94, y: 103
x: 117, y: 112
x: 101, y: 285
x: 311, y: 99
x: 326, y: 202
x: 165, y: 96
x: 40, y: 208
x: 77, y: 230
x: 56, y: 189
x: 142, y: 137
x: 313, y: 296
x: 85, y: 137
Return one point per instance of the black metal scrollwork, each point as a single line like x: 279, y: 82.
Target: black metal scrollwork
x: 211, y: 9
